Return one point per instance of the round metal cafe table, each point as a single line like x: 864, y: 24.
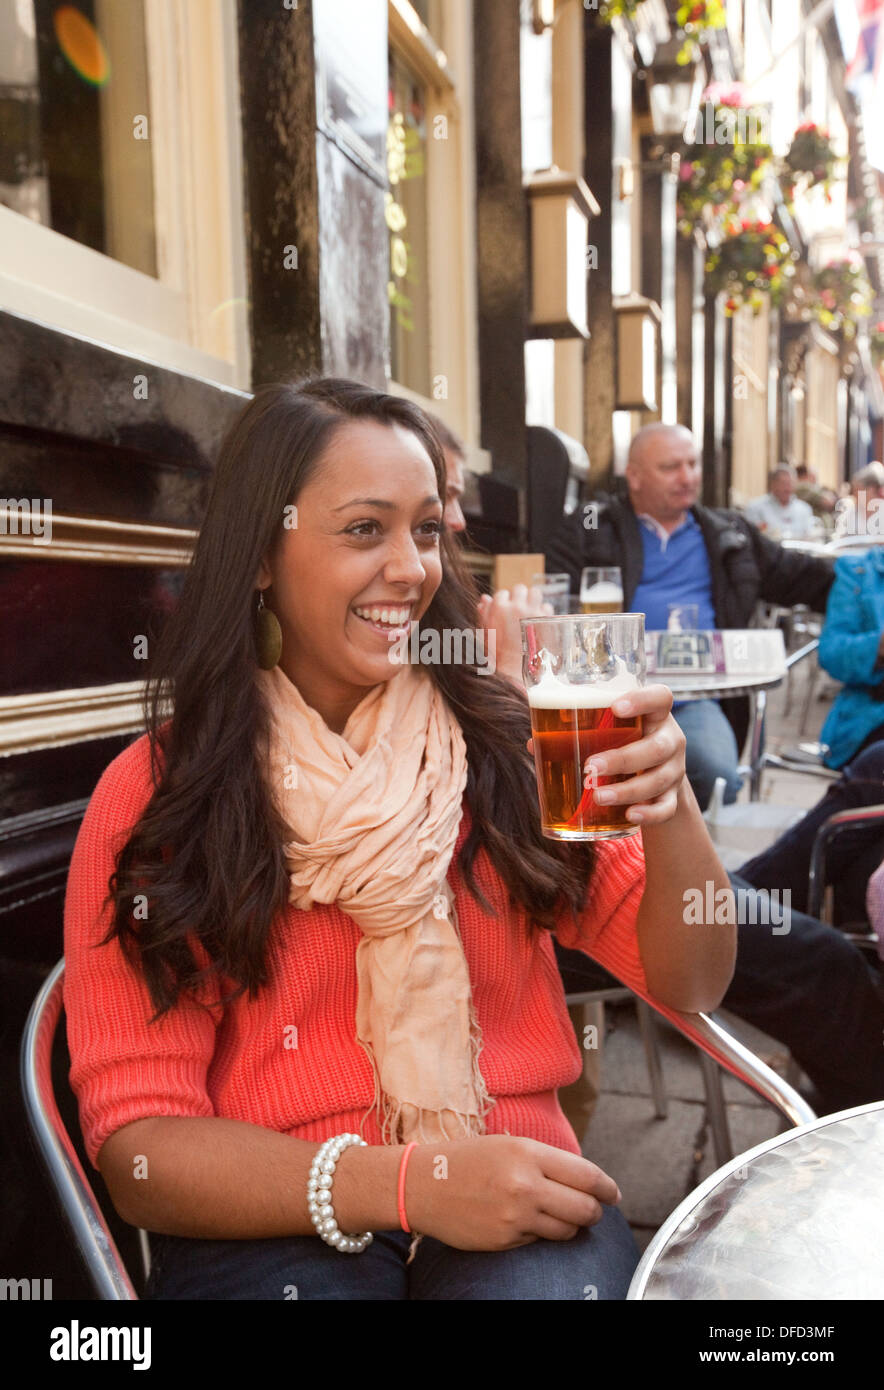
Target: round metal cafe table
x: 703, y: 685
x: 798, y: 1217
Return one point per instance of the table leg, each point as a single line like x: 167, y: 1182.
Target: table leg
x: 756, y: 749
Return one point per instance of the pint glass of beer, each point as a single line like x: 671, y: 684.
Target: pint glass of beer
x: 574, y: 668
x: 601, y: 590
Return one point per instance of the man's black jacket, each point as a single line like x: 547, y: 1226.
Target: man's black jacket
x: 744, y: 565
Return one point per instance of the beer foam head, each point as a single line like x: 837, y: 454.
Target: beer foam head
x: 603, y: 593
x: 552, y: 693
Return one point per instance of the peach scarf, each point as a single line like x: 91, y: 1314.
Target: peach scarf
x: 374, y: 814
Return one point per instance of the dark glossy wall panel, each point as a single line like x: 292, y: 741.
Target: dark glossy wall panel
x: 160, y: 478
x: 66, y: 624
x: 72, y: 386
x: 54, y: 776
x: 72, y: 429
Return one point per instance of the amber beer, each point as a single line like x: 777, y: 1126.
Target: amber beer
x: 601, y: 590
x: 563, y: 740
x: 597, y: 606
x: 575, y: 669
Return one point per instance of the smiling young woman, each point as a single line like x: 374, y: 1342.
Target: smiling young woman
x: 331, y: 907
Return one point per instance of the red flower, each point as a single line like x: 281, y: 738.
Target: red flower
x: 697, y: 12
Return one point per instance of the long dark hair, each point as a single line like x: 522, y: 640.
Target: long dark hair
x: 207, y: 851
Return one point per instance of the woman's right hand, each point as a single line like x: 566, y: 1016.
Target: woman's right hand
x: 496, y: 1192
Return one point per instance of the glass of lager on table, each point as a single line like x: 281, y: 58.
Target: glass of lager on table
x: 601, y: 590
x: 574, y: 668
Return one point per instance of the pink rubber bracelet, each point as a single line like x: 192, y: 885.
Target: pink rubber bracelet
x: 403, y: 1219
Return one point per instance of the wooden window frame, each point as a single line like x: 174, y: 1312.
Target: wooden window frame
x: 446, y: 74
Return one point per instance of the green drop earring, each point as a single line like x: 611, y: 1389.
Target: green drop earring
x: 268, y: 635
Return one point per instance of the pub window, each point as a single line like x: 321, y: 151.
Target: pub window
x: 75, y: 149
x: 121, y: 214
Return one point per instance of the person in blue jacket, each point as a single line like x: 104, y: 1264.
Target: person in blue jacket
x: 852, y: 650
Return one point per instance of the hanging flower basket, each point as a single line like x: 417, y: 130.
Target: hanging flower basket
x: 692, y: 19
x: 753, y: 262
x: 726, y: 161
x: 810, y: 160
x: 841, y: 295
x: 625, y: 9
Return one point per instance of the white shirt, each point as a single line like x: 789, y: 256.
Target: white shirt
x: 794, y: 520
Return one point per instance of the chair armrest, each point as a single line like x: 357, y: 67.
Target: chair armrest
x: 55, y: 1148
x: 709, y: 1035
x: 840, y: 821
x: 807, y: 650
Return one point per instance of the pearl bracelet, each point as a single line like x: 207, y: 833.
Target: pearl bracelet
x: 319, y: 1196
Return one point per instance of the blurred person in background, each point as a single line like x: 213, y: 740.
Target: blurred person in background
x: 503, y: 609
x: 852, y: 650
x: 780, y: 512
x: 821, y: 500
x: 670, y: 549
x: 861, y: 512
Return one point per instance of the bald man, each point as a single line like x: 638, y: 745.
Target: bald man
x: 672, y: 550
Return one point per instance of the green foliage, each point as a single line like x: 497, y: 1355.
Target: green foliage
x: 754, y: 261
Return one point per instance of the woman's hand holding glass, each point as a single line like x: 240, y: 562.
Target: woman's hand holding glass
x: 654, y: 765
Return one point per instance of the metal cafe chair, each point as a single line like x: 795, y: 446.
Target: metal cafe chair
x: 79, y: 1203
x: 816, y: 879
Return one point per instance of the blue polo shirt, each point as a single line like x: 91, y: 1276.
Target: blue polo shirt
x: 676, y: 570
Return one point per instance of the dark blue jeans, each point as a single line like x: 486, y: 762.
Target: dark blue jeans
x: 810, y: 988
x: 598, y: 1262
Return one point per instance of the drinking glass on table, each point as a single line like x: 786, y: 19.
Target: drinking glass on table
x: 601, y: 589
x: 555, y: 589
x: 574, y: 667
x: 683, y: 617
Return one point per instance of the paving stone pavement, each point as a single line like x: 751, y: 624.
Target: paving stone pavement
x: 657, y: 1162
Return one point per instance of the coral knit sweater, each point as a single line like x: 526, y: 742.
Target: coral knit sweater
x: 289, y: 1060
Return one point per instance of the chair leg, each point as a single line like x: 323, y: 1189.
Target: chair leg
x: 716, y: 1110
x: 812, y: 676
x: 145, y: 1252
x: 756, y: 753
x: 648, y: 1025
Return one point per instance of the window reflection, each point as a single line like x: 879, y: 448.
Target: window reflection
x: 75, y: 123
x: 406, y: 213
